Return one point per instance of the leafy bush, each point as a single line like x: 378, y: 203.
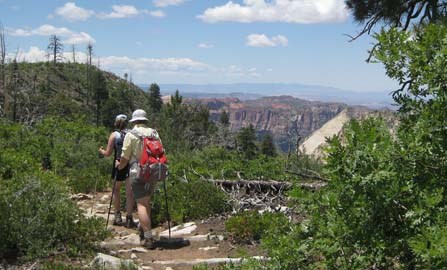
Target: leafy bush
x: 72, y: 148
x: 69, y: 149
x: 39, y: 218
x: 19, y: 150
x: 187, y: 201
x: 250, y: 226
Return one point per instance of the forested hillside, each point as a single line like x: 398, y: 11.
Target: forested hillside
x: 35, y: 90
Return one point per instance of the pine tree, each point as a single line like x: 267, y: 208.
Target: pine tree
x: 396, y: 13
x: 267, y: 146
x: 14, y: 89
x: 155, y: 101
x: 55, y: 49
x: 89, y: 71
x: 176, y: 100
x: 101, y: 94
x: 246, y: 140
x: 224, y: 118
x: 3, y: 92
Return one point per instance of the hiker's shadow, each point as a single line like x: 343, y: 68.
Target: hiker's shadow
x: 171, y: 243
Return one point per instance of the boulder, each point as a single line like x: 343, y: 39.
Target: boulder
x: 107, y: 262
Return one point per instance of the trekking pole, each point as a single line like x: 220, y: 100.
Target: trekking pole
x: 167, y: 210
x: 111, y: 199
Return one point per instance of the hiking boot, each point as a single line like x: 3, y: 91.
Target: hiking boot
x: 149, y: 243
x: 118, y: 219
x: 130, y: 223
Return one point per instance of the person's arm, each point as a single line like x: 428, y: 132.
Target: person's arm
x: 109, y: 150
x: 122, y: 163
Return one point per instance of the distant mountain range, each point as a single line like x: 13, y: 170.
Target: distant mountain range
x: 247, y: 91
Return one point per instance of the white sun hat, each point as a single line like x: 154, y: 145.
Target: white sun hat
x: 138, y: 115
x: 121, y: 117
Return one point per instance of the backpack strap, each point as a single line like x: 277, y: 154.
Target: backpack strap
x: 137, y: 134
x: 140, y: 136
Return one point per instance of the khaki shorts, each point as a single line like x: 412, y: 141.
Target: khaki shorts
x: 141, y: 190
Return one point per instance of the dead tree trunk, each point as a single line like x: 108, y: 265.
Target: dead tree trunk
x: 3, y: 92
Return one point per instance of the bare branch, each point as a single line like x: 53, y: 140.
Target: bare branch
x: 309, y: 175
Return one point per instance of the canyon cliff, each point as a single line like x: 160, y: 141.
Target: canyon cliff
x: 285, y: 117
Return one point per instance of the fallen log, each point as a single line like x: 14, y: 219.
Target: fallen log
x: 267, y: 184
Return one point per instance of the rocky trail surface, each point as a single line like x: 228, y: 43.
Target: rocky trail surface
x: 208, y: 242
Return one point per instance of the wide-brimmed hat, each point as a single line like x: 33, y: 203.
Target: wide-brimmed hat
x: 138, y: 115
x: 121, y: 117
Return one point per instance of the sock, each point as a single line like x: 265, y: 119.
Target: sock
x: 148, y: 234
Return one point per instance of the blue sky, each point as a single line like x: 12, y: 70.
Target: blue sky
x: 199, y: 42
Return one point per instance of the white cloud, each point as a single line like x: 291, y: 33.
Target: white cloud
x: 20, y: 33
x: 157, y: 13
x: 35, y: 54
x: 153, y: 64
x: 142, y: 64
x: 280, y: 40
x: 205, y: 45
x: 234, y: 71
x: 290, y: 11
x: 261, y: 40
x: 165, y: 3
x: 79, y: 38
x: 147, y: 68
x: 69, y: 36
x: 72, y: 12
x: 120, y: 11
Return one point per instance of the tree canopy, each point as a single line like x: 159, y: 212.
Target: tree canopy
x: 396, y: 13
x: 155, y: 101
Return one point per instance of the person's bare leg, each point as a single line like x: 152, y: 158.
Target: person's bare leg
x: 129, y: 198
x: 116, y: 196
x: 144, y: 212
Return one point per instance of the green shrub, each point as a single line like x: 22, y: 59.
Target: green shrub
x: 19, y: 150
x: 39, y: 218
x: 72, y: 148
x: 69, y: 149
x: 188, y: 201
x: 250, y: 226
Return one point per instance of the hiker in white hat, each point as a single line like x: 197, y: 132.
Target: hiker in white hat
x: 131, y: 153
x: 114, y: 146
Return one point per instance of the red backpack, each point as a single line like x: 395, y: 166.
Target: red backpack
x: 153, y: 165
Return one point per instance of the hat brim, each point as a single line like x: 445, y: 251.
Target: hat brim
x: 138, y: 119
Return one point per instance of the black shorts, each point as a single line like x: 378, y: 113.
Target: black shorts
x: 121, y: 174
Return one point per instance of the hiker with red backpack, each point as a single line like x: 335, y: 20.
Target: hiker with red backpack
x: 114, y: 145
x: 143, y: 151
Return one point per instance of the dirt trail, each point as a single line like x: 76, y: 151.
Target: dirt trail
x: 208, y: 241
